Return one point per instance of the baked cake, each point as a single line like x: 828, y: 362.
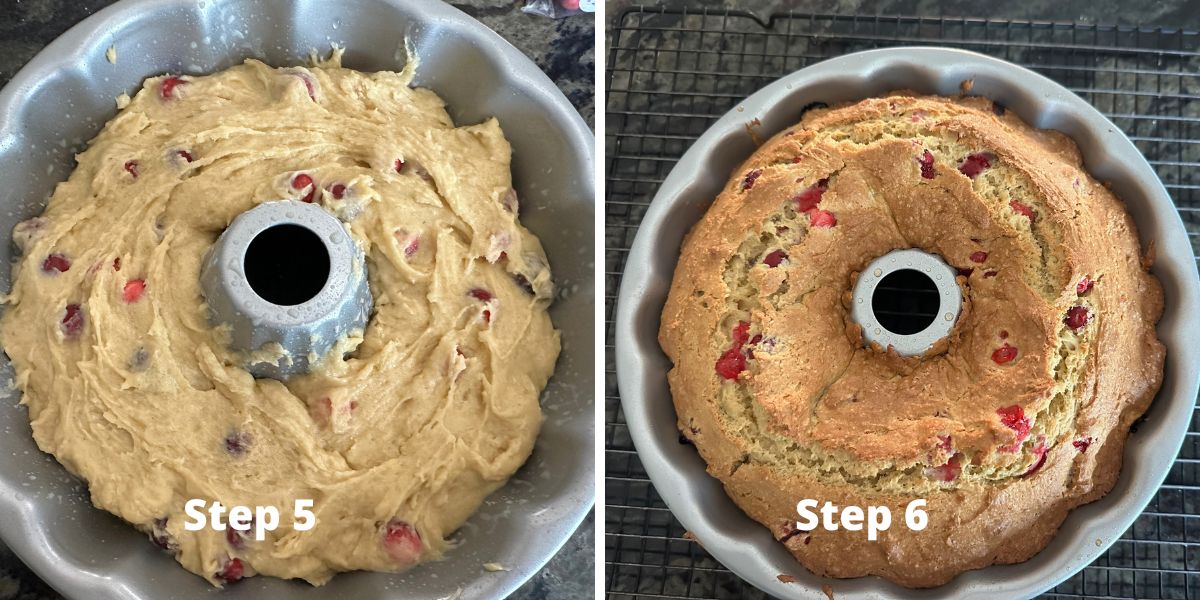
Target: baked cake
x: 1004, y: 426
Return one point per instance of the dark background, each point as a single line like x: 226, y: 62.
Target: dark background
x: 562, y: 48
x: 1170, y: 13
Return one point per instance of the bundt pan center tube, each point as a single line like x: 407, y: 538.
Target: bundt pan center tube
x: 290, y: 284
x: 678, y: 472
x: 900, y: 284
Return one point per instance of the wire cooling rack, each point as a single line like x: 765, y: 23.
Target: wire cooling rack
x: 672, y: 73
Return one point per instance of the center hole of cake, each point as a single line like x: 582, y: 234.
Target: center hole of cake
x: 286, y: 264
x: 906, y: 302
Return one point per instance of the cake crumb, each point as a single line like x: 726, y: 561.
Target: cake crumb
x: 785, y: 578
x: 965, y: 86
x: 828, y: 589
x: 123, y: 101
x: 752, y: 129
x: 455, y: 596
x: 493, y: 567
x: 111, y: 54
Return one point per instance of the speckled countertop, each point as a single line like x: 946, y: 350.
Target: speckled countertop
x: 562, y: 48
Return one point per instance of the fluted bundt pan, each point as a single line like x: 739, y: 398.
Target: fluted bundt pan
x: 62, y: 98
x: 678, y: 472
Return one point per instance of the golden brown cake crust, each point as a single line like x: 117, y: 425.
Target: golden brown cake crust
x: 1017, y: 417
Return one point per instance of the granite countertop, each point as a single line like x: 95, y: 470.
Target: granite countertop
x: 562, y: 48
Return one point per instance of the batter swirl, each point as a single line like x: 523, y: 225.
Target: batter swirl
x: 399, y: 434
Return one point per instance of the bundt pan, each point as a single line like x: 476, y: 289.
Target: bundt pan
x: 66, y: 93
x: 678, y: 472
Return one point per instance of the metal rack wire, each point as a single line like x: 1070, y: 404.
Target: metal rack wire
x: 671, y: 73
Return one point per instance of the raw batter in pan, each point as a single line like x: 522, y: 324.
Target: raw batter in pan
x: 398, y: 442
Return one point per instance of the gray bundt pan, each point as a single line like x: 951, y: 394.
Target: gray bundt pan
x: 66, y: 93
x: 677, y: 471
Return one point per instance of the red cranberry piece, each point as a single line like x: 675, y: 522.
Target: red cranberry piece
x: 1077, y: 317
x: 1040, y: 450
x: 974, y: 164
x: 1013, y: 417
x: 237, y: 443
x: 510, y: 202
x: 1082, y: 445
x: 1022, y: 208
x: 117, y: 263
x: 1004, y: 334
x: 167, y: 91
x: 185, y: 155
x: 160, y: 536
x: 56, y: 263
x: 965, y: 271
x: 926, y: 160
x: 131, y: 166
x: 480, y: 294
x: 233, y: 537
x: 741, y: 333
x: 821, y: 218
x: 487, y: 316
x: 231, y: 571
x: 402, y: 542
x: 338, y: 190
x: 751, y: 177
x: 302, y: 181
x: 797, y: 160
x: 398, y: 165
x: 947, y: 472
x: 411, y: 244
x: 1084, y: 286
x: 979, y: 256
x: 237, y: 539
x: 321, y: 411
x: 811, y: 197
x: 945, y: 442
x: 1004, y: 353
x: 72, y: 321
x: 774, y: 259
x: 133, y: 290
x: 731, y: 363
x: 309, y: 84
